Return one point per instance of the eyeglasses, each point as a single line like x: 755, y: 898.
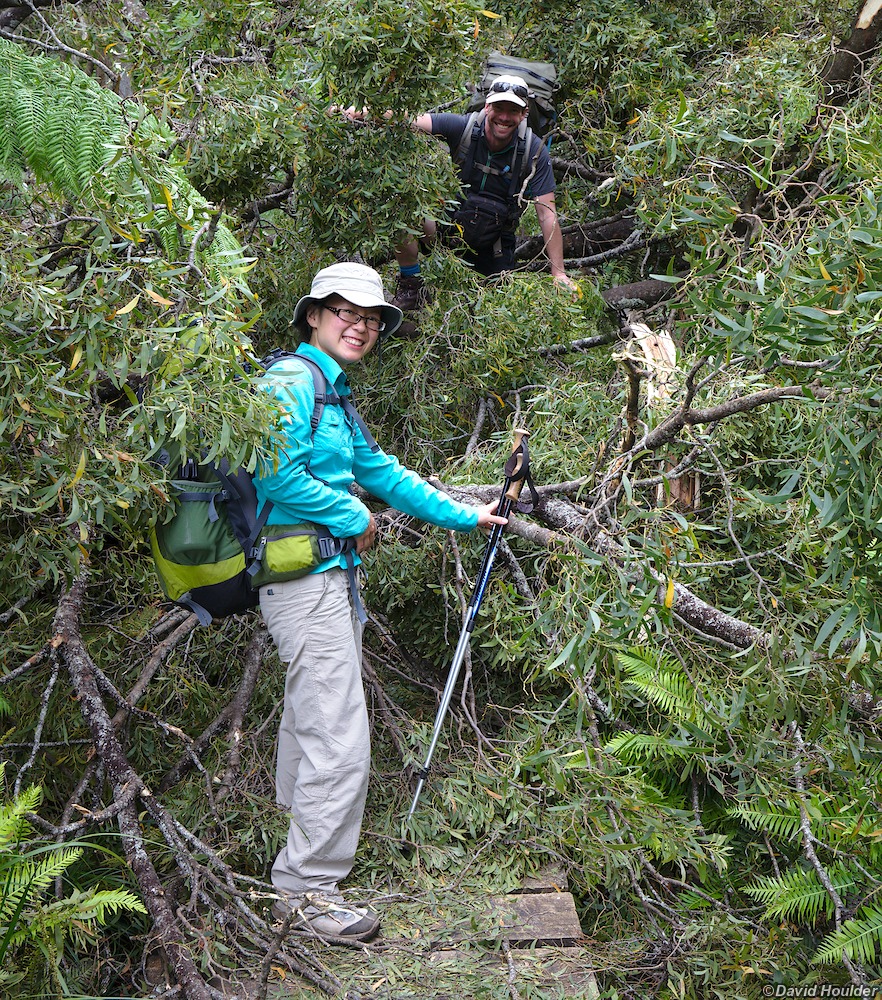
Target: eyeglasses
x: 503, y: 87
x: 351, y: 317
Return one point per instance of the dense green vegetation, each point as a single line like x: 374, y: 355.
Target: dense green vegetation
x: 671, y: 698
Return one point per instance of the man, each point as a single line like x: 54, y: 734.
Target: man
x: 500, y: 176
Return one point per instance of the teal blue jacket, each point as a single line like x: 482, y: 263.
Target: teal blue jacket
x: 312, y: 478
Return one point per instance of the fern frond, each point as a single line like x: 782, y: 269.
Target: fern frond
x: 662, y: 682
x: 82, y: 910
x: 71, y: 132
x: 96, y: 906
x: 799, y: 895
x: 633, y: 748
x: 780, y: 824
x: 26, y: 878
x: 13, y: 815
x: 860, y: 939
x: 30, y: 121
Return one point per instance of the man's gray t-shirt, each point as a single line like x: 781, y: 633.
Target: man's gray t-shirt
x: 451, y: 127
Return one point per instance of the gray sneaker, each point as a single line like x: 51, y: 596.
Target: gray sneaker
x: 328, y: 917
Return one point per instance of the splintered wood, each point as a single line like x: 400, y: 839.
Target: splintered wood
x: 659, y: 356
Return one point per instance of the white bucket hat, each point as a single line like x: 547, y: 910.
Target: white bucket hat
x: 358, y: 284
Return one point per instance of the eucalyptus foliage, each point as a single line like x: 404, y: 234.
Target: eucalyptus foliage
x: 712, y: 801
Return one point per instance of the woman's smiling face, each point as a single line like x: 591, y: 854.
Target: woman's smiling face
x: 345, y: 342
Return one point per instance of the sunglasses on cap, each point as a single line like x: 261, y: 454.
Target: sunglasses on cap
x: 503, y: 87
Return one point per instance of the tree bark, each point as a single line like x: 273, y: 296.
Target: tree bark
x: 844, y: 70
x: 639, y: 294
x: 128, y: 788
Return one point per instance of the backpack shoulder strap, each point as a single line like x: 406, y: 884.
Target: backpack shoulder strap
x: 525, y: 170
x: 519, y: 157
x: 322, y: 396
x: 325, y: 395
x: 465, y: 151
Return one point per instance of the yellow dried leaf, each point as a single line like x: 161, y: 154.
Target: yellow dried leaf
x: 161, y: 299
x: 477, y: 30
x: 77, y: 357
x: 166, y: 195
x: 128, y: 307
x: 489, y: 13
x: 824, y: 271
x: 634, y: 120
x: 81, y: 468
x: 134, y: 237
x: 669, y: 594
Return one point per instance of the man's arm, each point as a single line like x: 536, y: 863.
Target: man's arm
x: 422, y: 123
x: 548, y: 223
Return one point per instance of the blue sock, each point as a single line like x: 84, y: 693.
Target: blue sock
x: 410, y: 271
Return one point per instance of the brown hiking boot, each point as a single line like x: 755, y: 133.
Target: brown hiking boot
x: 411, y: 293
x: 406, y: 330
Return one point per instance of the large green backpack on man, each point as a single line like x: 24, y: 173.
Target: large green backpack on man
x: 540, y: 77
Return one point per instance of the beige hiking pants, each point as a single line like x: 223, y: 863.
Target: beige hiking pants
x: 323, y: 756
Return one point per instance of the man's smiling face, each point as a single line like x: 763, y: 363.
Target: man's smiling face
x: 503, y: 118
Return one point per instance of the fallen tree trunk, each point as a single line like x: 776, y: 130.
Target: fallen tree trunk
x: 129, y: 791
x: 844, y: 70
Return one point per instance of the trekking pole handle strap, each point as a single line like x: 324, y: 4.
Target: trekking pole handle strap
x: 519, y: 465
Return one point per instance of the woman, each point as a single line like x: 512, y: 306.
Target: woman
x: 323, y: 755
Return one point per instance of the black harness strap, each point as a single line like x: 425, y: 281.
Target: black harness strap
x: 515, y: 168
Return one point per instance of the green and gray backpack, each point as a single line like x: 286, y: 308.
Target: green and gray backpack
x: 541, y: 79
x: 215, y: 552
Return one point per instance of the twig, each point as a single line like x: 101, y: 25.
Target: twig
x: 479, y: 426
x: 585, y: 344
x: 254, y: 658
x: 59, y: 45
x: 11, y: 612
x: 28, y: 665
x: 38, y: 729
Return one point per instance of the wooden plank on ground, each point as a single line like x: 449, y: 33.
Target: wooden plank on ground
x: 523, y: 919
x: 550, y: 879
x: 540, y: 918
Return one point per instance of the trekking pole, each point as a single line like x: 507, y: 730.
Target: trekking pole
x: 517, y: 472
